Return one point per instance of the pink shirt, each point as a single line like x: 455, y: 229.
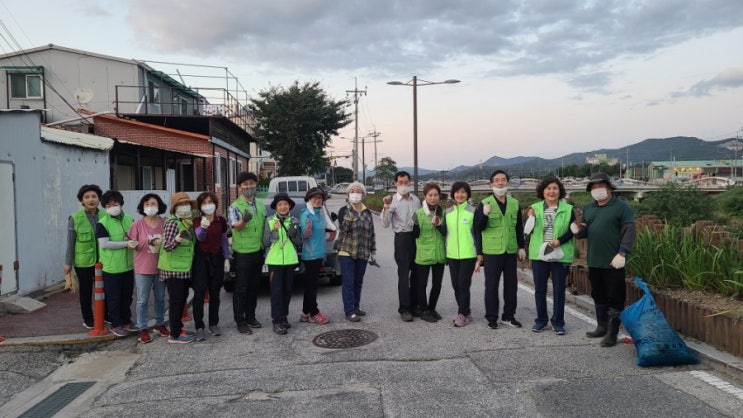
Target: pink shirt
x: 145, y: 256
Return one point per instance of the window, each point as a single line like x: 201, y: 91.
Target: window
x: 147, y: 178
x: 217, y: 170
x: 153, y: 92
x: 25, y: 86
x: 233, y: 174
x: 239, y: 166
x: 183, y: 108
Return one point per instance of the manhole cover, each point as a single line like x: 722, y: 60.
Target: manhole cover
x: 344, y: 338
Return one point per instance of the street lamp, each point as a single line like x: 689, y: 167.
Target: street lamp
x: 415, y: 83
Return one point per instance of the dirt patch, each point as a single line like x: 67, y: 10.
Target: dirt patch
x: 714, y: 301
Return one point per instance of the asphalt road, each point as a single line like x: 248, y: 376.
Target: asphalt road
x: 411, y: 369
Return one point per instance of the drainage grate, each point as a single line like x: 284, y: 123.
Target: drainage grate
x: 57, y: 400
x: 344, y: 338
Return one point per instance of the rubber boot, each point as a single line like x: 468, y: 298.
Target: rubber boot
x: 610, y: 339
x: 601, y: 320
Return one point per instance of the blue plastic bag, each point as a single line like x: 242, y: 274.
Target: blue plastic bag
x: 656, y: 342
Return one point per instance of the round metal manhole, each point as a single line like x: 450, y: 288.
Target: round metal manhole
x: 344, y: 338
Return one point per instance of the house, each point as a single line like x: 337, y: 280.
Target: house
x: 168, y: 136
x: 41, y: 170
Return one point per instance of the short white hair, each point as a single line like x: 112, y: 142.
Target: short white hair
x: 356, y: 185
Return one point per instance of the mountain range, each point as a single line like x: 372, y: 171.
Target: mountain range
x: 680, y: 148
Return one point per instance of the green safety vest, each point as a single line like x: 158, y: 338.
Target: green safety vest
x: 121, y: 260
x: 278, y: 256
x: 250, y: 238
x: 429, y: 246
x: 559, y: 227
x: 499, y: 236
x: 85, y: 242
x: 460, y: 241
x: 180, y: 258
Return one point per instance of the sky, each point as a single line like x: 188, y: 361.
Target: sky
x: 538, y: 77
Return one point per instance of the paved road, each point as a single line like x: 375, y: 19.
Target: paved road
x: 411, y: 369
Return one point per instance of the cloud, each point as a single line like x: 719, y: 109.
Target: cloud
x: 577, y: 40
x: 728, y: 79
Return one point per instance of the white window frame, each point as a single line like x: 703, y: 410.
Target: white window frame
x: 26, y: 86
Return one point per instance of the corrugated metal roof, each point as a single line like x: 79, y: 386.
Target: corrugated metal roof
x: 77, y: 139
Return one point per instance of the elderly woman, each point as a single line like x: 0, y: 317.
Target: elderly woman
x: 551, y: 251
x: 357, y: 246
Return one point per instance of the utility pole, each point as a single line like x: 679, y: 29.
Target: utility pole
x: 373, y: 135
x: 356, y: 93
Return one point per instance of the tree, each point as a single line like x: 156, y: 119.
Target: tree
x: 385, y: 170
x: 677, y: 205
x: 295, y: 125
x: 343, y: 175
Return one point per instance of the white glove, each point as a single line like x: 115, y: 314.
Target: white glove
x: 226, y: 265
x: 522, y: 254
x: 205, y: 222
x: 574, y: 228
x: 529, y: 225
x: 132, y: 244
x: 617, y: 262
x: 486, y: 208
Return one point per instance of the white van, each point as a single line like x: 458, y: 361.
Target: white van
x: 294, y: 186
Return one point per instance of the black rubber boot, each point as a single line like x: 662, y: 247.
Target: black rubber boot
x: 601, y: 320
x: 610, y: 339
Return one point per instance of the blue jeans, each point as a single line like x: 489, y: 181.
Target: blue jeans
x: 542, y: 270
x: 145, y: 282
x: 352, y: 278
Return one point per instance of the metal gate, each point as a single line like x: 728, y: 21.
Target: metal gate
x: 8, y: 242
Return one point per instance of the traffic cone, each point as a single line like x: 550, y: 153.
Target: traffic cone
x: 99, y: 304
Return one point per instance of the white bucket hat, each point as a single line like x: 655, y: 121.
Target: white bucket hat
x: 549, y: 253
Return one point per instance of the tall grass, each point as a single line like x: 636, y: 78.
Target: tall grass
x: 674, y: 259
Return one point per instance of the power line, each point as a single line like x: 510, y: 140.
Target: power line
x: 356, y: 93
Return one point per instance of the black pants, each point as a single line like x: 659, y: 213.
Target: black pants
x: 461, y: 281
x: 406, y: 280
x: 311, y: 274
x: 281, y: 278
x: 608, y: 287
x: 119, y: 290
x: 437, y: 277
x: 86, y: 278
x: 495, y: 265
x: 247, y: 282
x: 177, y: 293
x: 207, y: 275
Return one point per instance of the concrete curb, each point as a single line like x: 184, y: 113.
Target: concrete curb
x: 68, y: 339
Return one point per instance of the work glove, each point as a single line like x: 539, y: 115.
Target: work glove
x: 618, y: 262
x: 387, y: 200
x: 226, y: 265
x: 574, y: 228
x: 529, y: 225
x: 522, y: 254
x: 154, y: 243
x: 132, y: 244
x: 435, y: 220
x: 205, y: 222
x: 486, y: 208
x: 184, y: 235
x: 247, y: 216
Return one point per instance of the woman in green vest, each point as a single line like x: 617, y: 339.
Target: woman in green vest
x: 281, y: 236
x: 82, y: 248
x: 430, y: 251
x: 176, y: 258
x: 460, y: 249
x: 551, y: 250
x: 117, y: 257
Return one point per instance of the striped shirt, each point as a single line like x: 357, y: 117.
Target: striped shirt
x: 400, y: 213
x: 549, y: 224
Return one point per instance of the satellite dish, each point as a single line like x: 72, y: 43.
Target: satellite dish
x: 83, y: 95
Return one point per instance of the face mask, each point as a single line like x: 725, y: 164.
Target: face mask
x: 500, y: 191
x: 355, y: 197
x: 599, y: 194
x: 208, y: 208
x: 249, y: 192
x: 403, y: 190
x: 114, y: 210
x: 183, y: 211
x: 151, y: 211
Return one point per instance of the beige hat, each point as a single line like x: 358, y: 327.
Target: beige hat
x: 180, y: 198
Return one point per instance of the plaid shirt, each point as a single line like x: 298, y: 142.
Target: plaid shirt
x: 357, y: 238
x: 169, y: 243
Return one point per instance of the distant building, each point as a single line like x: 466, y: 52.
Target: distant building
x: 691, y: 170
x: 599, y: 159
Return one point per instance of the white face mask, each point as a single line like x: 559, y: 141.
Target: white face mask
x: 114, y: 210
x: 183, y: 211
x: 355, y: 197
x: 599, y: 195
x: 209, y: 208
x: 403, y: 190
x: 500, y: 191
x: 151, y: 210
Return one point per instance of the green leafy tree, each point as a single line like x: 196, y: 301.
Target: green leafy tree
x: 295, y: 125
x: 677, y: 205
x: 385, y: 170
x: 343, y: 175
